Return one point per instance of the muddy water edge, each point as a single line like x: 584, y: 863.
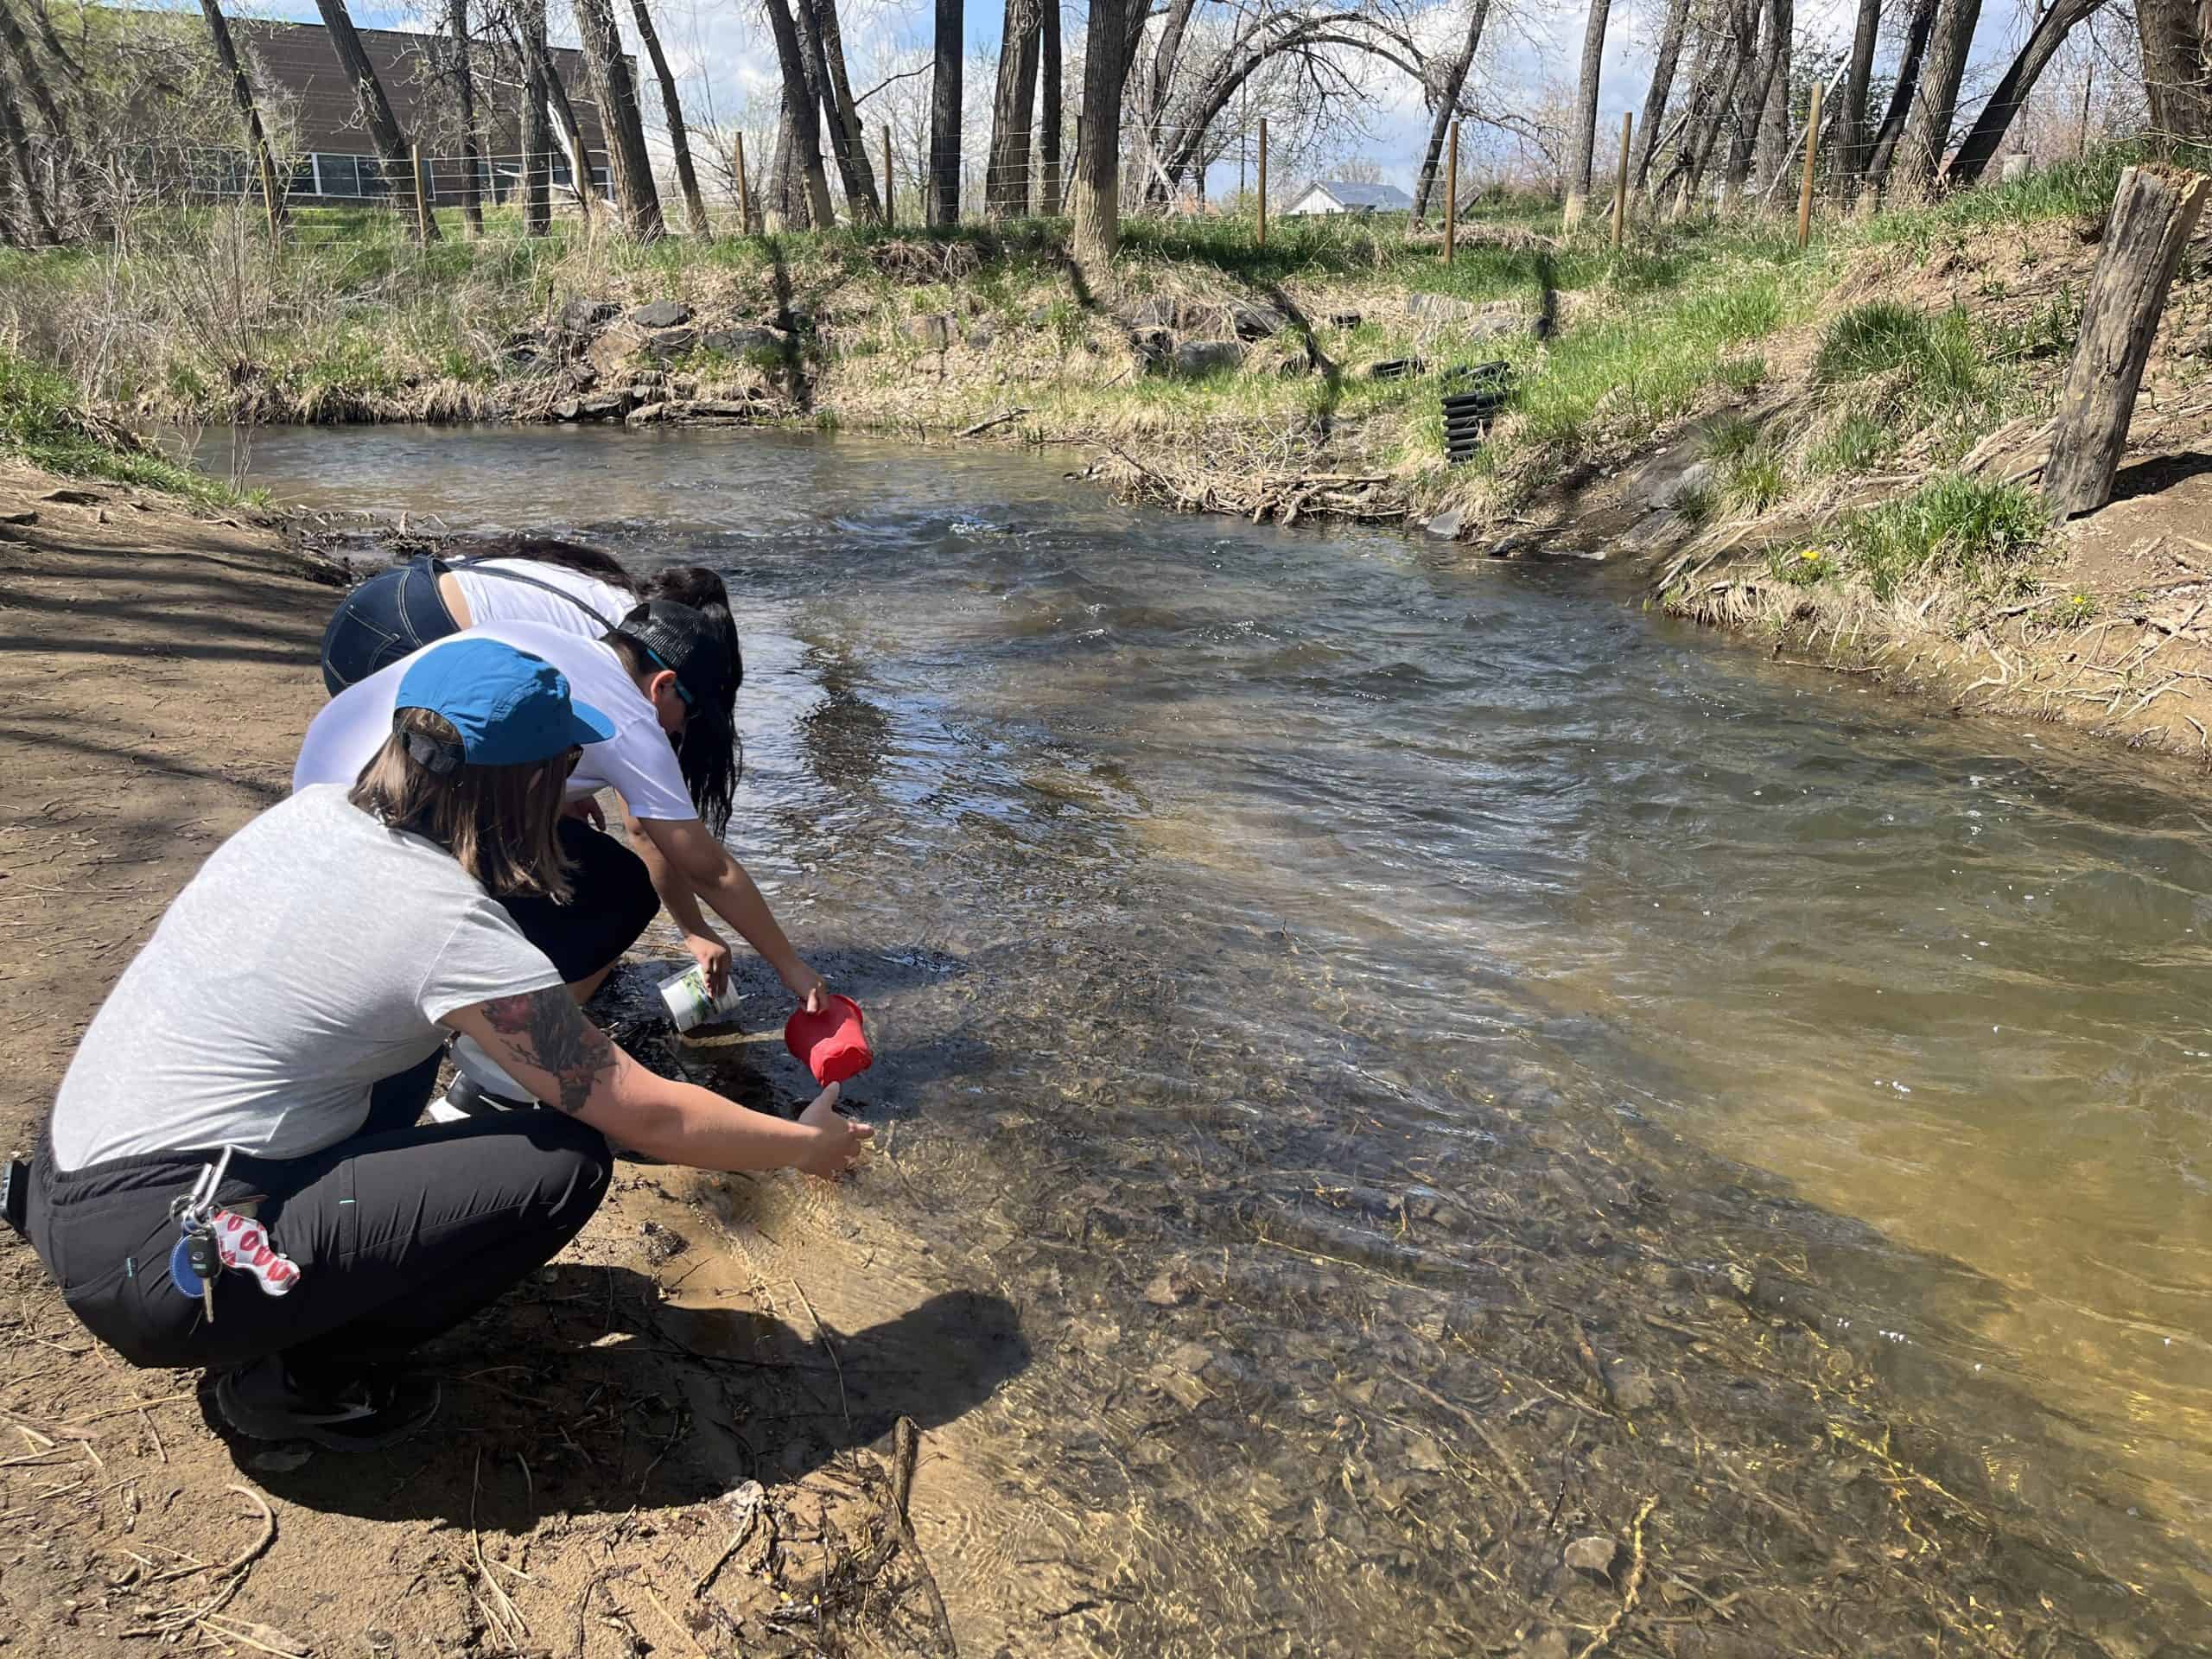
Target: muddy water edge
x: 1495, y: 1123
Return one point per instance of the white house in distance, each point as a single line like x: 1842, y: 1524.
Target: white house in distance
x: 1327, y: 196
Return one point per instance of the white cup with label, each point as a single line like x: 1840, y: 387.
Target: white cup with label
x: 690, y: 1003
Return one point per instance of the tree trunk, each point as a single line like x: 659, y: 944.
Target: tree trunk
x: 226, y: 54
x: 1049, y: 116
x: 2174, y: 71
x: 464, y: 95
x: 617, y: 93
x: 1987, y: 136
x: 1167, y: 52
x: 1927, y: 129
x: 14, y: 145
x: 1902, y: 94
x: 2153, y: 213
x: 1583, y: 140
x: 1852, y: 149
x: 1759, y: 57
x: 802, y: 123
x: 1662, y: 86
x: 687, y: 178
x: 1774, y: 115
x: 572, y: 131
x: 33, y: 73
x: 1704, y: 133
x: 1008, y: 191
x: 848, y: 138
x: 1098, y: 151
x: 529, y: 21
x: 942, y: 206
x: 1447, y: 103
x: 376, y: 109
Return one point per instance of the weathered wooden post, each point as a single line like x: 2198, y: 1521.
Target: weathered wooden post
x: 1620, y: 184
x: 1452, y: 196
x: 744, y: 193
x: 889, y: 215
x: 421, y: 194
x: 1263, y: 180
x: 1812, y: 148
x: 2153, y: 214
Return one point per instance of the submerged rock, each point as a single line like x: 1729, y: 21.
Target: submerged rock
x: 1594, y: 1554
x: 1447, y: 525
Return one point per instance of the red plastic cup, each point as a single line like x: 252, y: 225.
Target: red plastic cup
x: 833, y: 1042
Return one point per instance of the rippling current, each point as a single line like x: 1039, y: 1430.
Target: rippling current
x: 1212, y: 888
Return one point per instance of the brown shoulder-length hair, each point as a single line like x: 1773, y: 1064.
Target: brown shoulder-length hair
x: 500, y: 823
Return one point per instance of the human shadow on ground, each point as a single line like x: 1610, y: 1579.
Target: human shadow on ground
x: 582, y: 1392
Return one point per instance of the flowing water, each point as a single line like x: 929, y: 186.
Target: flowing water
x: 1223, y: 896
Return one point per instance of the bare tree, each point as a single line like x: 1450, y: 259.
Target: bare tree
x: 14, y: 144
x: 1007, y: 189
x: 1663, y: 65
x: 226, y: 54
x: 464, y: 97
x: 800, y: 184
x: 1988, y: 133
x: 1098, y: 143
x: 528, y: 24
x: 375, y: 108
x: 1054, y: 187
x: 2175, y: 72
x: 1774, y: 115
x: 942, y: 206
x: 1927, y: 129
x: 1447, y: 93
x: 1584, y: 139
x: 618, y: 114
x: 1907, y: 87
x: 1852, y: 147
x: 679, y: 140
x: 818, y: 18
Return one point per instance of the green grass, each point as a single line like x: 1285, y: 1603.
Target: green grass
x: 1981, y: 532
x: 1871, y: 339
x: 42, y: 421
x: 1857, y: 444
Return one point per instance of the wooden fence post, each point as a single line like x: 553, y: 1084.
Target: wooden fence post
x: 1812, y: 150
x: 1263, y: 180
x: 2154, y: 211
x: 421, y: 194
x: 744, y: 193
x: 1620, y: 184
x: 1452, y: 195
x: 889, y: 216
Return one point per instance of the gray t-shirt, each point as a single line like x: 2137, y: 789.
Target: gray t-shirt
x: 310, y: 958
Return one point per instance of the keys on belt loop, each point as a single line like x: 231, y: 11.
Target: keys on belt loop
x: 194, y: 1259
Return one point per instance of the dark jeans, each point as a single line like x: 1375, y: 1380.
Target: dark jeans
x: 392, y: 615
x: 400, y: 1230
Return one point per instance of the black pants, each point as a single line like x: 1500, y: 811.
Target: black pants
x: 400, y: 1230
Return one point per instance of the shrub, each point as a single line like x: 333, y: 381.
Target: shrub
x: 1870, y: 339
x: 1967, y: 527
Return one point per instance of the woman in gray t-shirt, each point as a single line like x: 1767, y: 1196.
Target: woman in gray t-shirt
x: 272, y: 1047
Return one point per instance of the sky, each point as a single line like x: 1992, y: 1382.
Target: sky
x: 723, y: 58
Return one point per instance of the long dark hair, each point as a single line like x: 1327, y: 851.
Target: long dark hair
x: 711, y: 753
x: 551, y: 550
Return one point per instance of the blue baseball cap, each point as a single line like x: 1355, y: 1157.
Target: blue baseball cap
x: 510, y: 708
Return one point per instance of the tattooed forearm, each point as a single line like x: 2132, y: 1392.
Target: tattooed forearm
x: 546, y: 1029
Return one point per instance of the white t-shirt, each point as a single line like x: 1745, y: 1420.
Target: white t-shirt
x: 498, y: 599
x: 638, y: 762
x: 311, y: 958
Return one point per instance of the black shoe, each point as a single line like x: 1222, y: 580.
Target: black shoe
x: 376, y: 1410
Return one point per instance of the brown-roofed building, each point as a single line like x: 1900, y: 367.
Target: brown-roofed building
x: 299, y: 67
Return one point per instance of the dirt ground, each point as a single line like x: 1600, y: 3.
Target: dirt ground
x: 655, y: 1448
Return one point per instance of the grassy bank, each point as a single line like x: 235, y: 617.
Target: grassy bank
x: 43, y: 422
x: 1796, y: 440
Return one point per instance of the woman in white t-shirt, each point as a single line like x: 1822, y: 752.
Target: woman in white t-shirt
x: 565, y: 585
x: 667, y: 677
x: 274, y: 1044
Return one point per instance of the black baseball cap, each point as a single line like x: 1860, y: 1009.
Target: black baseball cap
x: 681, y: 639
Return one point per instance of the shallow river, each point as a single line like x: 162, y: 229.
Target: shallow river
x: 1134, y: 828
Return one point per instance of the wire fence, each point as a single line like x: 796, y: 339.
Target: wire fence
x: 1792, y: 159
